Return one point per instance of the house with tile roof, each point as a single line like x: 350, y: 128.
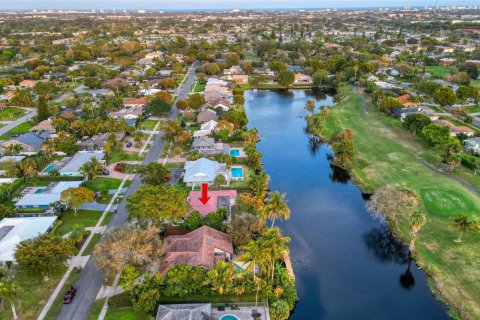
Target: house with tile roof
x: 200, y: 248
x: 31, y: 142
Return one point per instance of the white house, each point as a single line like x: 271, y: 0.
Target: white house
x: 15, y: 230
x: 203, y: 170
x: 42, y: 197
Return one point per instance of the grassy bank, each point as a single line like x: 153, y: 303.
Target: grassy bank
x: 388, y: 155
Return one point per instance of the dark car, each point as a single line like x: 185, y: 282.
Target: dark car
x: 106, y: 172
x: 69, y: 295
x: 129, y: 144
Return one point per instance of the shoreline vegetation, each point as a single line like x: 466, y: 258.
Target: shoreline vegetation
x: 387, y: 155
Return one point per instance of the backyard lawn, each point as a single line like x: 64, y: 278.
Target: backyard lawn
x: 388, y: 155
x: 472, y: 109
x: 11, y: 113
x: 23, y: 127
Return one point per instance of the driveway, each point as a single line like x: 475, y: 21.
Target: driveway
x: 91, y: 279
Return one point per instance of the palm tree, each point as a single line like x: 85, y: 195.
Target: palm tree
x: 258, y: 184
x: 463, y: 225
x: 8, y: 288
x: 276, y: 246
x: 417, y: 220
x: 29, y: 169
x: 256, y: 255
x: 221, y: 277
x: 276, y: 207
x: 324, y: 113
x: 310, y: 106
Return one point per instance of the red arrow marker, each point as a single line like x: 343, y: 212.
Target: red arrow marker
x: 204, y: 199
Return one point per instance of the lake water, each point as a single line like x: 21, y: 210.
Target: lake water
x: 347, y: 266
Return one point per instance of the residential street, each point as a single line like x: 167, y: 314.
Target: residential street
x: 91, y: 279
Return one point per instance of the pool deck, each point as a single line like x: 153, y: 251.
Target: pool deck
x: 245, y: 313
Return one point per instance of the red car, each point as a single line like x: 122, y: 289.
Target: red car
x: 69, y: 295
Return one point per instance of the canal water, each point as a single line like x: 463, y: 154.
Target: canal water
x: 347, y: 265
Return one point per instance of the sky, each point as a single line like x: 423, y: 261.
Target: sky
x: 217, y: 4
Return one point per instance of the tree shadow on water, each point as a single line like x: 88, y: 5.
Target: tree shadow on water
x: 385, y: 247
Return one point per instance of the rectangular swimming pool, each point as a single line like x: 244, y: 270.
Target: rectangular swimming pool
x: 237, y: 173
x: 50, y: 168
x: 235, y: 152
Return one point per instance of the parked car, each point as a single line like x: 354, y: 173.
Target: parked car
x: 129, y: 144
x: 105, y: 172
x: 69, y: 295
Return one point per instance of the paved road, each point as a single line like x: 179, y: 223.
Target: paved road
x: 90, y: 280
x: 19, y: 121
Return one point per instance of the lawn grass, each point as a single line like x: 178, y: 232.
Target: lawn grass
x: 89, y: 249
x: 23, y: 127
x: 116, y: 156
x: 199, y: 87
x: 475, y: 83
x: 11, y: 113
x: 85, y: 218
x: 33, y: 293
x: 472, y: 108
x: 148, y: 124
x: 440, y: 71
x: 388, y: 155
x: 100, y: 184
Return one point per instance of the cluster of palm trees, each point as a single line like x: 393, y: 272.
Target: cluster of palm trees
x: 92, y: 168
x: 263, y: 253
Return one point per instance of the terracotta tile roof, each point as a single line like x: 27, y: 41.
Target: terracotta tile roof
x: 404, y: 99
x: 134, y: 101
x: 196, y: 248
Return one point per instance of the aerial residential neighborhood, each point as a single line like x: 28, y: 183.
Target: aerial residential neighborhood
x: 233, y: 164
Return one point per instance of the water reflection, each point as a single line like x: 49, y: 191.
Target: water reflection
x: 315, y: 144
x: 407, y: 281
x: 339, y: 175
x: 384, y: 246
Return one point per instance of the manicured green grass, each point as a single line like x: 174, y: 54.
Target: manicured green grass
x: 440, y: 71
x: 388, y: 155
x: 85, y: 218
x: 33, y: 293
x: 178, y: 165
x: 475, y: 83
x: 100, y: 184
x: 116, y: 156
x: 91, y: 244
x: 148, y: 124
x: 11, y: 113
x: 199, y: 87
x: 472, y: 108
x: 126, y: 314
x: 23, y: 127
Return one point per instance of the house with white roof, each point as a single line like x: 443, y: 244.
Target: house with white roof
x: 202, y: 171
x: 15, y: 230
x: 72, y: 167
x: 205, y: 129
x: 42, y: 197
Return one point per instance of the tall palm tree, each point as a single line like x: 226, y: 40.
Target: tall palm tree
x: 275, y: 244
x: 256, y: 255
x: 258, y: 184
x: 463, y: 225
x: 324, y: 111
x: 29, y: 169
x: 417, y: 221
x: 276, y: 207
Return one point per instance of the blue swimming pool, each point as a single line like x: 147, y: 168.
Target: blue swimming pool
x: 237, y: 173
x: 39, y: 190
x: 229, y: 317
x: 49, y: 168
x: 235, y: 152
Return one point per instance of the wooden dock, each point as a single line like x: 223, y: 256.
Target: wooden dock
x: 288, y: 265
